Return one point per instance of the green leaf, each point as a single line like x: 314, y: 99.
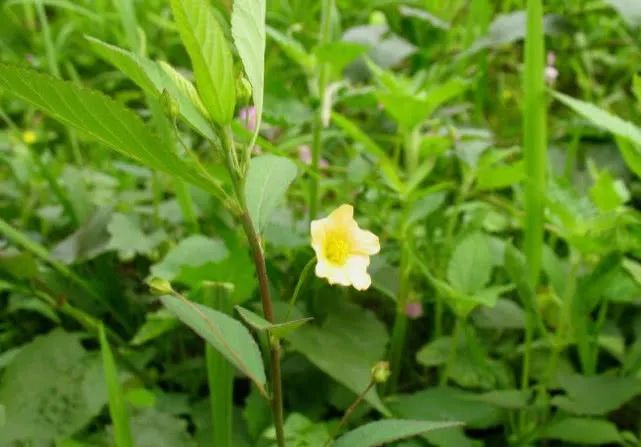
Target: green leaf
x: 605, y: 120
x: 279, y: 330
x: 388, y: 168
x: 210, y: 55
x: 154, y: 78
x: 267, y: 181
x: 52, y: 388
x: 346, y: 346
x: 152, y: 428
x: 99, y: 117
x: 470, y: 266
x: 293, y: 49
x: 583, y: 431
x: 381, y: 432
x: 595, y: 395
x: 117, y: 405
x: 248, y: 30
x: 155, y: 325
x: 193, y: 251
x: 631, y: 154
x: 225, y: 334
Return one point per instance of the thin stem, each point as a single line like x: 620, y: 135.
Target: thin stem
x: 456, y: 335
x: 323, y: 77
x: 349, y: 412
x: 258, y: 257
x: 299, y: 285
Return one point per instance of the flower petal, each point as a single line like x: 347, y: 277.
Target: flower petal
x: 333, y: 274
x: 357, y: 271
x: 318, y: 233
x: 365, y: 242
x: 343, y: 215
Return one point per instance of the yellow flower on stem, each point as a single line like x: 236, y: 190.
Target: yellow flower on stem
x: 343, y: 249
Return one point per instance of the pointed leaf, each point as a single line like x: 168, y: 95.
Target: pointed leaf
x: 210, y: 55
x: 156, y: 77
x: 248, y: 30
x: 279, y: 330
x: 382, y: 432
x: 268, y: 178
x: 99, y: 117
x: 225, y: 334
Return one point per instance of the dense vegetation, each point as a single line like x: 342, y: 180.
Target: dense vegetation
x: 177, y: 183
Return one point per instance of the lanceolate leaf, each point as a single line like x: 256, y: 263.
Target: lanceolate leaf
x: 99, y: 117
x: 382, y: 432
x: 210, y: 55
x: 268, y: 178
x: 156, y: 77
x: 226, y: 335
x: 278, y: 330
x: 248, y: 30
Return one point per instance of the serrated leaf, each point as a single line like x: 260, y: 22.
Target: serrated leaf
x: 279, y: 330
x: 382, y: 432
x: 226, y: 335
x: 99, y: 117
x: 268, y: 178
x: 156, y: 77
x: 210, y: 55
x: 248, y: 31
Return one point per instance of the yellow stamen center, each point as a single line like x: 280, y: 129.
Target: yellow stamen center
x: 336, y: 249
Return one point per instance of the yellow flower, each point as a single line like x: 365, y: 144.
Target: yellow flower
x: 343, y: 249
x: 29, y: 136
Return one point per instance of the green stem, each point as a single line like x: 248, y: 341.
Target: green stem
x: 258, y: 257
x: 456, y: 335
x: 349, y: 412
x: 187, y: 206
x: 220, y: 373
x: 299, y: 285
x: 323, y: 77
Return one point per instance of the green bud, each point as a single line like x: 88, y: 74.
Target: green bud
x: 243, y: 90
x: 377, y: 18
x: 169, y: 105
x: 381, y: 372
x: 159, y: 286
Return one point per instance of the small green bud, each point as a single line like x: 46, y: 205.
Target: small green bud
x: 159, y: 286
x: 243, y: 90
x: 169, y: 105
x: 377, y: 18
x: 381, y: 372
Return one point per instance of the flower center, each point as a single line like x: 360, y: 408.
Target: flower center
x: 336, y: 249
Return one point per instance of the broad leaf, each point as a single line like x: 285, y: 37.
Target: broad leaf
x: 248, y: 30
x: 52, y: 388
x: 210, y: 55
x: 99, y: 117
x: 470, y: 266
x: 382, y: 432
x: 226, y: 335
x: 156, y: 77
x: 346, y: 346
x: 583, y: 431
x: 267, y: 181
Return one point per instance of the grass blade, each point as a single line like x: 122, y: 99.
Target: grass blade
x: 117, y: 404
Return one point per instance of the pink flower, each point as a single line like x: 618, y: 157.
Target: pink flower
x: 248, y: 116
x: 305, y: 155
x: 414, y: 310
x: 551, y: 73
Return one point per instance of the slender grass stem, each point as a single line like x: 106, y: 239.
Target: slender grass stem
x: 349, y: 412
x: 317, y: 141
x: 220, y: 374
x: 535, y: 154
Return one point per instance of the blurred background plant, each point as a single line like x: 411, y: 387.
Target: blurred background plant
x: 412, y: 111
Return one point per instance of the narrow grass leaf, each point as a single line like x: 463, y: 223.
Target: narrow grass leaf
x: 117, y: 404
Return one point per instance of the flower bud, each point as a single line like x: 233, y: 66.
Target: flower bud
x: 243, y: 90
x: 381, y: 372
x: 159, y: 286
